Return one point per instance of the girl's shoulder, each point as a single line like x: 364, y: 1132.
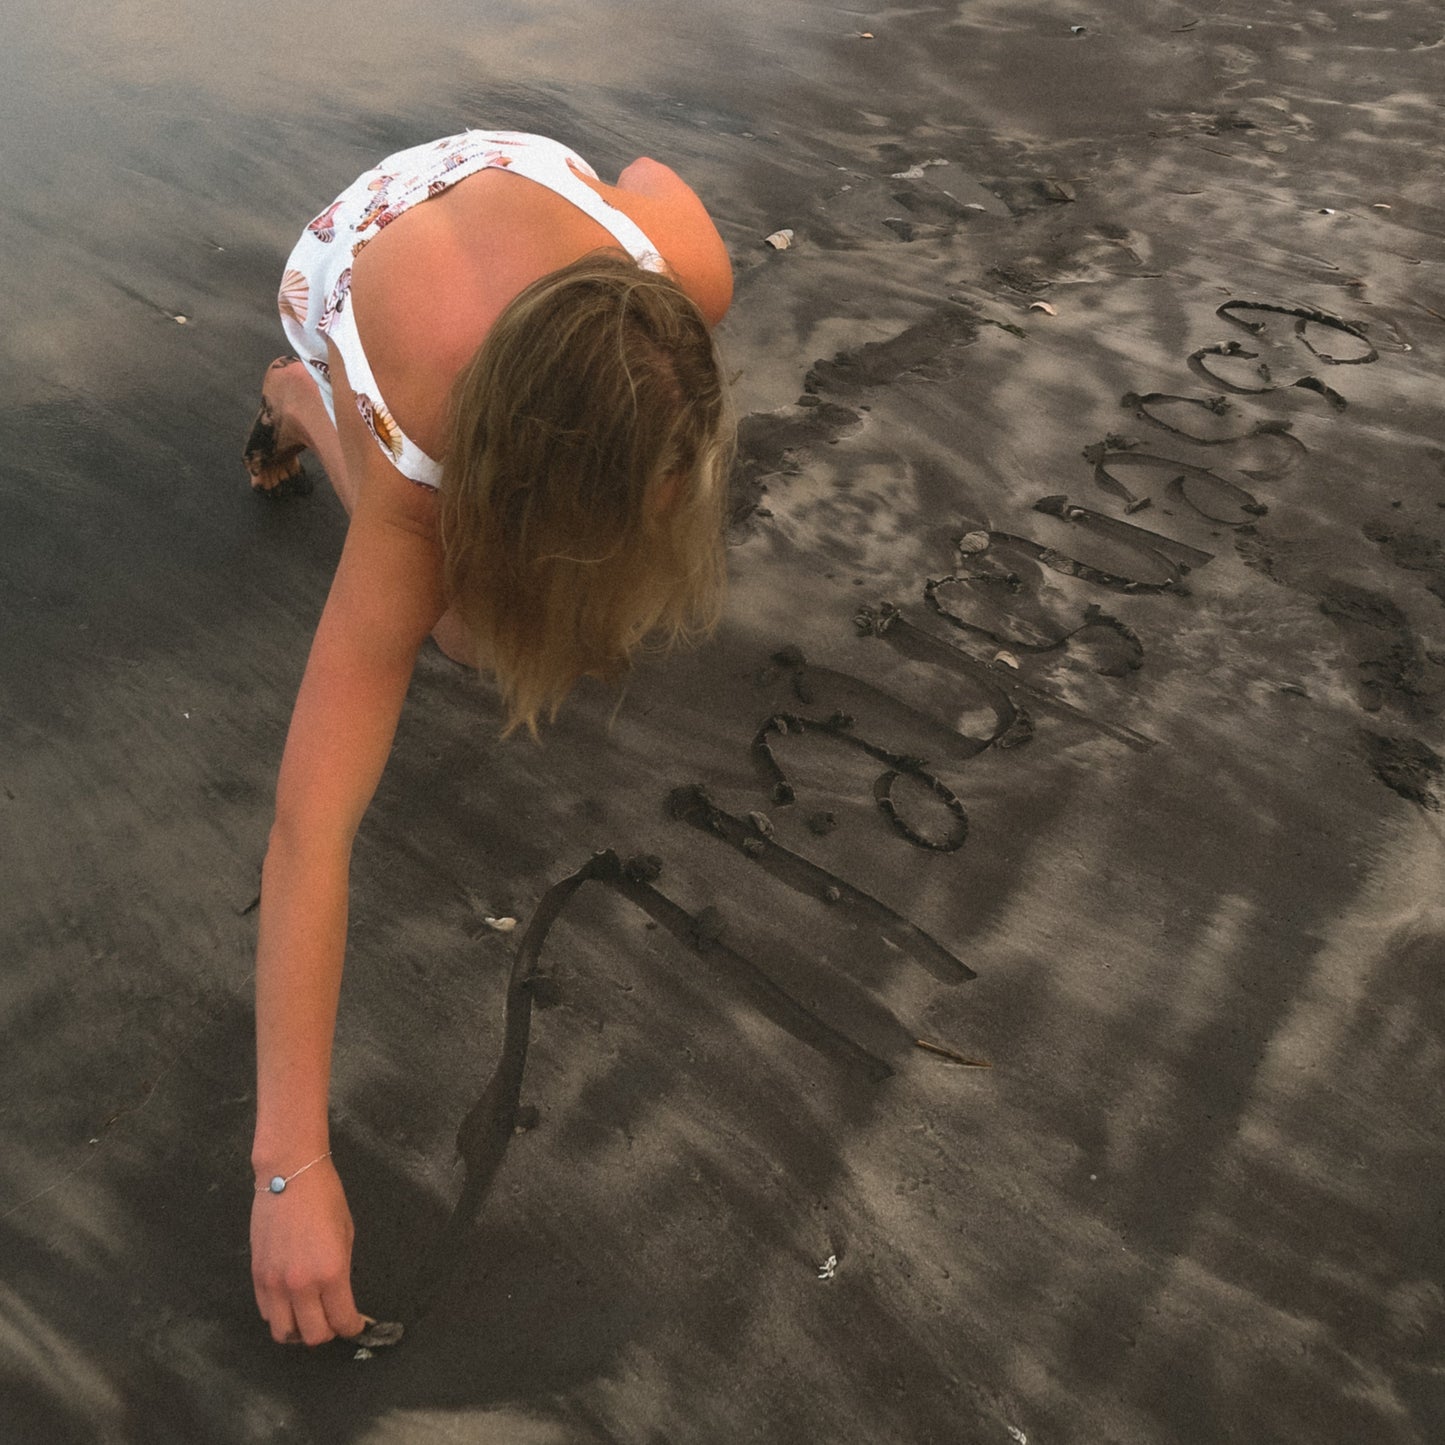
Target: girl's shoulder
x: 673, y: 216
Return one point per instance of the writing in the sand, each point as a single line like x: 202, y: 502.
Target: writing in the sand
x: 993, y: 608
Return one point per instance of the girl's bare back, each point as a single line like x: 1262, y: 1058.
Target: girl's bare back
x: 428, y: 289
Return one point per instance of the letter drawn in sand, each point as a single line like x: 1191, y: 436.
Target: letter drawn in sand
x: 492, y: 1120
x: 693, y: 805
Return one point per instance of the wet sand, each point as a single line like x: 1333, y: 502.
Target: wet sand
x: 1135, y: 797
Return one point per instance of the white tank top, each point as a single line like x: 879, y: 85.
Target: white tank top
x: 313, y: 299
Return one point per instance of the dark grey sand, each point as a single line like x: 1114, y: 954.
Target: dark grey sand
x: 1197, y: 1197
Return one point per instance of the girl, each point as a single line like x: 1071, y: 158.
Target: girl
x: 504, y: 366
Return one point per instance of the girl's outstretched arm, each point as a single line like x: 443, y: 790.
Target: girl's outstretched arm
x: 385, y: 599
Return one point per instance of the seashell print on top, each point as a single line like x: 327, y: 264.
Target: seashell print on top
x: 382, y: 212
x: 335, y: 302
x: 294, y: 296
x: 323, y: 227
x: 380, y: 423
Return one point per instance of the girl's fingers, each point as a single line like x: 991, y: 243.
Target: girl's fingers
x: 276, y: 1311
x: 341, y: 1312
x: 311, y: 1320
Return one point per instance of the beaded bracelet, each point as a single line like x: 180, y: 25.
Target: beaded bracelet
x: 278, y: 1183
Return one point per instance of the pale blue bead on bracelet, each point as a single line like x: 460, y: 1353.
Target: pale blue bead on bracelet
x: 279, y: 1182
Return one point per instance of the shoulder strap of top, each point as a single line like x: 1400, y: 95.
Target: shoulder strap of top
x: 396, y: 446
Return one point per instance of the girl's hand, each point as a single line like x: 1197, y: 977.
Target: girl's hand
x: 301, y: 1259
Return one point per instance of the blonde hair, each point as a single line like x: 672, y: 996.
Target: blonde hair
x: 584, y: 485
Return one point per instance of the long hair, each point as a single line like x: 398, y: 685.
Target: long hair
x: 584, y: 484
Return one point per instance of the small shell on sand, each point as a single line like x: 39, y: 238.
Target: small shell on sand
x: 780, y: 240
x: 379, y: 1334
x: 916, y: 172
x: 502, y: 925
x: 972, y: 543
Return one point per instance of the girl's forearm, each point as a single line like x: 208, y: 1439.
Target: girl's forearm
x: 299, y: 960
